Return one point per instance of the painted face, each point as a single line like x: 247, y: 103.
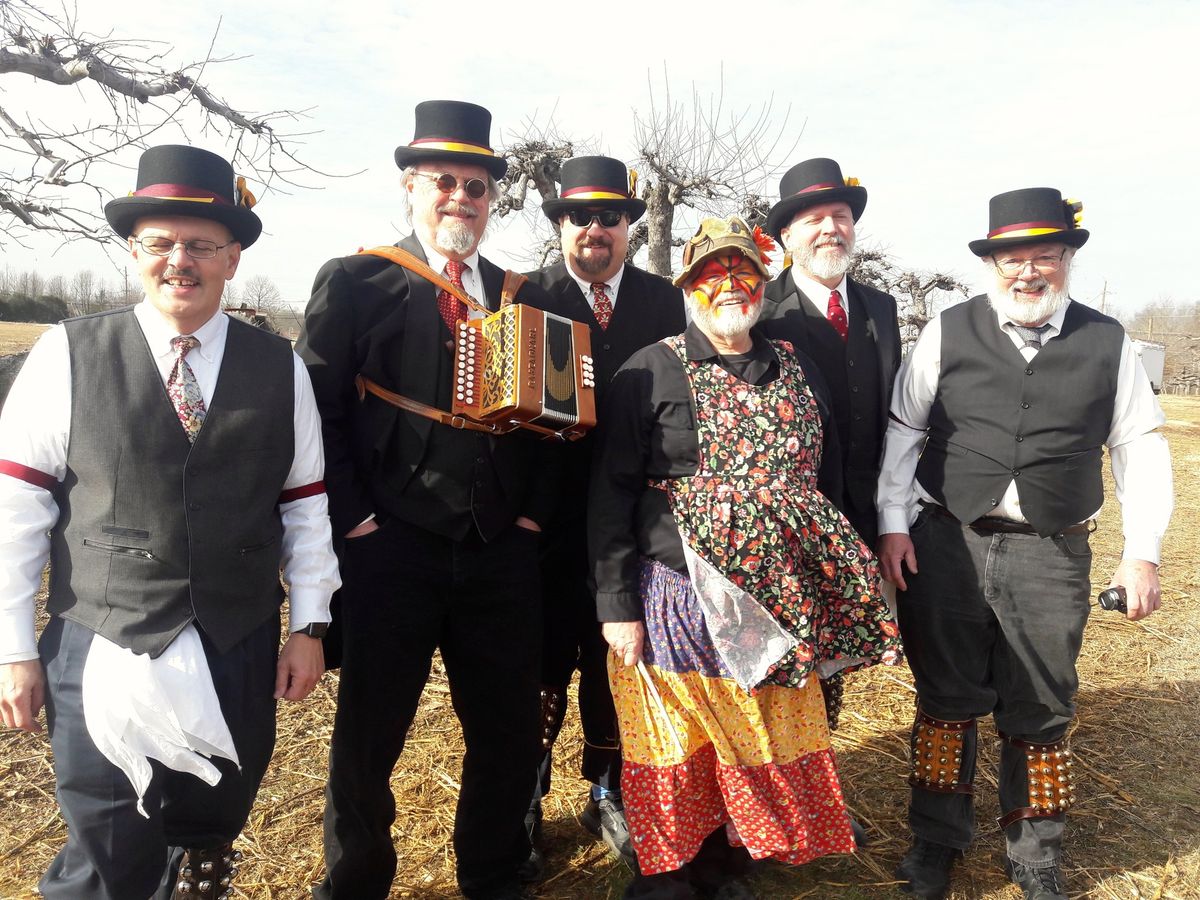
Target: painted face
x: 454, y: 222
x: 186, y: 291
x: 727, y: 280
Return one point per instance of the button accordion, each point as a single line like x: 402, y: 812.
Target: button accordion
x: 522, y: 367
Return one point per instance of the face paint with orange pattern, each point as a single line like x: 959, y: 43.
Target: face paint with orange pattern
x: 728, y: 273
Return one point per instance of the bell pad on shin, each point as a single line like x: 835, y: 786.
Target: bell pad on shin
x: 1049, y: 779
x: 554, y: 711
x: 206, y: 874
x: 833, y: 689
x: 938, y: 748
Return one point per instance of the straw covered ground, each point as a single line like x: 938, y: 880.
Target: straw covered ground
x: 1135, y: 833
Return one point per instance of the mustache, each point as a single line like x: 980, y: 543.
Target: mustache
x: 173, y: 272
x: 453, y: 208
x: 1032, y: 284
x: 834, y: 241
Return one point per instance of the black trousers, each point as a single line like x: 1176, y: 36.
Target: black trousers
x: 993, y: 624
x: 572, y: 640
x: 406, y: 593
x: 112, y: 851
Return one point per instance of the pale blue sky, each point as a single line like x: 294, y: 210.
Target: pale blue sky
x: 934, y: 106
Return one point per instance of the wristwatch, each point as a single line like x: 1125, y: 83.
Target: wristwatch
x: 313, y: 629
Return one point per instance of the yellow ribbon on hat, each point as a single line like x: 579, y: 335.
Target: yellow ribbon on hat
x: 633, y: 182
x: 1075, y: 208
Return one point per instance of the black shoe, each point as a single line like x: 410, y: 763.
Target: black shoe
x: 860, y: 834
x: 605, y: 819
x: 1037, y: 884
x: 533, y: 868
x: 738, y: 889
x: 926, y: 869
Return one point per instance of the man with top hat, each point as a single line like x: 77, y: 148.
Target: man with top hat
x: 626, y: 309
x: 848, y: 328
x: 167, y: 459
x: 439, y: 526
x: 991, y: 483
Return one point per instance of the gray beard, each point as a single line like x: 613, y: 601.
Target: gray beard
x: 731, y: 323
x: 455, y: 237
x: 1023, y: 311
x: 823, y: 265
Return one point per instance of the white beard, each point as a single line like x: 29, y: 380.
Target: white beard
x: 822, y: 264
x: 1028, y: 312
x: 730, y: 322
x: 455, y: 237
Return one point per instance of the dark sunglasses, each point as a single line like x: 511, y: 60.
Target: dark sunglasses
x: 583, y: 218
x: 448, y: 184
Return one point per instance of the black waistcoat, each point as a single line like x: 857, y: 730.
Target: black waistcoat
x: 154, y: 531
x: 996, y: 418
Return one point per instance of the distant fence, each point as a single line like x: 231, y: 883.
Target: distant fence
x: 1183, y: 390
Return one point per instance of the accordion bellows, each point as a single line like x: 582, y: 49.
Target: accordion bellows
x: 522, y: 365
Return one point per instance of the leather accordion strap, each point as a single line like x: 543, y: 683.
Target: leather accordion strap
x: 365, y: 386
x: 1050, y: 781
x: 405, y: 259
x: 513, y: 282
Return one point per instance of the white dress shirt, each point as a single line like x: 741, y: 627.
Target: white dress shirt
x: 612, y: 286
x: 471, y: 279
x: 1141, y: 463
x: 35, y: 431
x: 818, y: 293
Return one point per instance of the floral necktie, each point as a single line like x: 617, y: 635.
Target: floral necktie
x: 602, y: 307
x: 184, y: 390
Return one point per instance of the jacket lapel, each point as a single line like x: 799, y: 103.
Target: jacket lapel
x: 422, y: 340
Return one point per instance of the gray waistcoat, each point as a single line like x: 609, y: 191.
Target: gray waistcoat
x: 153, y: 531
x: 996, y: 418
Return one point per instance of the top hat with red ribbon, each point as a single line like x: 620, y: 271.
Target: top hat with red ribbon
x: 175, y: 180
x: 596, y: 182
x: 452, y: 130
x: 809, y: 183
x: 1031, y: 216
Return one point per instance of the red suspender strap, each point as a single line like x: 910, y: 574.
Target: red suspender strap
x: 24, y: 473
x: 305, y: 490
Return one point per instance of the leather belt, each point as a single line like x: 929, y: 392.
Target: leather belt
x: 996, y: 525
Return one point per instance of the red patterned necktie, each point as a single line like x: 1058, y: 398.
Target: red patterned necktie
x: 184, y: 390
x: 602, y: 306
x: 836, y: 314
x: 452, y: 309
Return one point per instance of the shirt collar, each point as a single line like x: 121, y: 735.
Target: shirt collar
x: 159, y: 331
x: 1055, y: 321
x: 585, y: 286
x: 817, y: 292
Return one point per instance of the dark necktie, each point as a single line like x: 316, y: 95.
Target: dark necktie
x: 184, y: 390
x: 836, y: 313
x: 602, y: 307
x: 1031, y: 336
x: 452, y: 309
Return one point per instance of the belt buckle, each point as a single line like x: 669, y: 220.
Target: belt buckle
x: 458, y: 422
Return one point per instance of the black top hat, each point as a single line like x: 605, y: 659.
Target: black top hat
x: 809, y: 183
x: 595, y: 181
x: 1031, y: 216
x: 454, y: 130
x: 174, y: 180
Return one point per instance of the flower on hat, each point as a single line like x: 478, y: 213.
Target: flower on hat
x: 633, y: 182
x: 242, y: 195
x: 764, y: 242
x: 851, y: 182
x: 1074, y: 209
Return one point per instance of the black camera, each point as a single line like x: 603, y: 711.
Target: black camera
x: 1113, y: 599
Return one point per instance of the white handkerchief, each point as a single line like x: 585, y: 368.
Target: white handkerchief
x: 137, y: 709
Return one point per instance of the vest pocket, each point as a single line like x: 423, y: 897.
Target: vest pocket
x: 254, y: 548
x: 139, y: 552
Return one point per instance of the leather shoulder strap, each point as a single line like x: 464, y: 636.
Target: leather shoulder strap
x: 402, y: 257
x: 513, y: 282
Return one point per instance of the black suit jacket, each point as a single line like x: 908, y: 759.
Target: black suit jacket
x: 784, y: 316
x: 648, y: 308
x: 372, y: 316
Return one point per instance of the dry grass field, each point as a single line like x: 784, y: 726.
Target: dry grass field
x: 17, y: 337
x: 1135, y: 833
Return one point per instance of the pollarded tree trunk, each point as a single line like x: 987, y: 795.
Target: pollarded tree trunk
x: 660, y: 219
